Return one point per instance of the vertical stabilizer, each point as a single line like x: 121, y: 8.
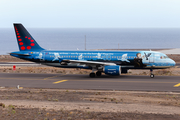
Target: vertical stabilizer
x: 24, y: 39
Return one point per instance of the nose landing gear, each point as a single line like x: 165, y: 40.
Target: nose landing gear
x: 151, y: 73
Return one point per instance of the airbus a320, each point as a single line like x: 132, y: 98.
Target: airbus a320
x: 109, y: 62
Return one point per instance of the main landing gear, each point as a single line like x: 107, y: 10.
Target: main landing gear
x: 151, y: 72
x: 92, y: 75
x: 98, y: 73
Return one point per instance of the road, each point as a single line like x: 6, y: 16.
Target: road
x: 60, y: 81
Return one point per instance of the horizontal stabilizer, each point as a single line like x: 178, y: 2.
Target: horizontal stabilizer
x: 19, y: 54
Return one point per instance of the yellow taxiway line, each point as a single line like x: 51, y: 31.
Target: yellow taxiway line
x: 59, y: 81
x: 177, y: 85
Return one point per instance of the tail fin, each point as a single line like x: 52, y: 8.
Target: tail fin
x: 25, y: 40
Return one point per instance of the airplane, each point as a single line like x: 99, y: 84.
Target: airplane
x: 109, y: 62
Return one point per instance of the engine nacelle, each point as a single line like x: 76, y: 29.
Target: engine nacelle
x: 112, y: 70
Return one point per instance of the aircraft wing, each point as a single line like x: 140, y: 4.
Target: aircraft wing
x: 91, y: 63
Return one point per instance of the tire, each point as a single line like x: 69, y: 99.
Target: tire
x: 98, y: 73
x: 152, y: 76
x: 92, y: 75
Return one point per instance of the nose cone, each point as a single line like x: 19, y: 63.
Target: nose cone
x: 173, y: 63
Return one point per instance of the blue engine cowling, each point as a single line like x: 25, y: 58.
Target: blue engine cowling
x: 112, y: 70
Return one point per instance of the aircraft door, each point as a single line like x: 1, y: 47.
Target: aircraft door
x: 42, y: 56
x: 151, y: 58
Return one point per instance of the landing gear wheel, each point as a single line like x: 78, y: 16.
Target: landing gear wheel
x: 92, y: 75
x: 152, y: 75
x: 98, y: 73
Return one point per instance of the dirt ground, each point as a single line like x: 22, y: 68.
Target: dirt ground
x: 55, y: 104
x: 52, y: 70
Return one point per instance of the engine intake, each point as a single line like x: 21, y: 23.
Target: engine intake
x: 112, y: 70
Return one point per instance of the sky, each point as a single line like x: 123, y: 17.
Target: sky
x: 90, y: 13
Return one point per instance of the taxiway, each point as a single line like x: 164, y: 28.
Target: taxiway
x: 72, y: 81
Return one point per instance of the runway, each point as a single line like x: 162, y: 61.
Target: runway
x: 60, y: 81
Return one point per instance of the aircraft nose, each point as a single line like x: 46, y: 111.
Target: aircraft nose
x: 173, y: 63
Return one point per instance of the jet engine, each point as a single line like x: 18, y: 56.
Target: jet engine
x: 112, y: 70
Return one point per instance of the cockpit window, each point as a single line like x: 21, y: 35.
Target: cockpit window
x: 164, y: 57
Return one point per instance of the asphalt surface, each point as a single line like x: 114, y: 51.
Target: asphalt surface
x: 19, y: 64
x: 124, y: 82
